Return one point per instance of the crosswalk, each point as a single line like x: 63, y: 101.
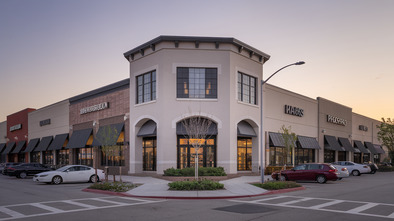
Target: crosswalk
x: 26, y: 210
x: 381, y: 210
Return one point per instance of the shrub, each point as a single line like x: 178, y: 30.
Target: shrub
x: 385, y: 169
x: 112, y: 186
x: 202, y: 171
x: 196, y: 185
x: 277, y: 185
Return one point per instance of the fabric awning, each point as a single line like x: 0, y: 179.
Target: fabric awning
x: 148, y: 129
x: 58, y: 142
x: 331, y: 143
x: 2, y: 146
x: 379, y: 148
x: 9, y: 147
x: 79, y: 138
x: 19, y: 146
x: 108, y: 135
x: 308, y: 142
x: 245, y: 130
x: 360, y: 146
x: 370, y: 147
x: 345, y: 143
x: 31, y: 145
x: 180, y: 129
x: 277, y: 140
x: 44, y: 144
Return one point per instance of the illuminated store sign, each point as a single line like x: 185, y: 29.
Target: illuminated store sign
x: 336, y: 120
x: 97, y: 107
x: 294, y: 111
x: 45, y: 122
x: 363, y: 128
x: 16, y: 127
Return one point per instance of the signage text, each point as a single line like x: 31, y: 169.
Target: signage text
x: 97, y: 107
x: 336, y: 120
x: 294, y: 111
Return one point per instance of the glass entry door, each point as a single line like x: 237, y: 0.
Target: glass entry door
x: 149, y: 153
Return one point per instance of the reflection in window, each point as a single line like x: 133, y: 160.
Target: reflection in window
x: 197, y: 83
x: 114, y: 156
x: 244, y: 154
x: 187, y: 153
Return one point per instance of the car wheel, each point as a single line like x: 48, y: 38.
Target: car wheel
x: 57, y: 180
x: 373, y: 171
x: 321, y: 179
x: 356, y: 173
x: 93, y: 179
x: 22, y: 175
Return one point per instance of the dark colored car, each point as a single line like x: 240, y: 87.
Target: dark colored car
x: 320, y: 172
x: 8, y: 165
x: 27, y: 169
x: 373, y: 167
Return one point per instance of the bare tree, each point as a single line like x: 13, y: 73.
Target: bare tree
x: 197, y: 129
x: 289, y: 141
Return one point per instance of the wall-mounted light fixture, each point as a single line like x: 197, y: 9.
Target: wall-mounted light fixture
x: 323, y: 131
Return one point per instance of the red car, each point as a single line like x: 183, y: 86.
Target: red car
x: 320, y: 172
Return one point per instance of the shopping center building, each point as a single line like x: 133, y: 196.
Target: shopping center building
x: 175, y: 78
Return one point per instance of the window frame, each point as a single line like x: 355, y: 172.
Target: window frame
x: 152, y: 87
x: 184, y: 79
x: 240, y: 88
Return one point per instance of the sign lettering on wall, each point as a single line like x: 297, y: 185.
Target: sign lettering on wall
x: 363, y: 128
x: 97, y: 107
x: 16, y: 127
x: 336, y: 120
x: 294, y: 111
x: 45, y: 122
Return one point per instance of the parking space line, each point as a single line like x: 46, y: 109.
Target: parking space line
x: 362, y: 208
x: 391, y: 215
x: 326, y: 204
x: 45, y: 207
x: 294, y: 201
x: 110, y: 201
x: 11, y: 213
x: 271, y: 198
x: 79, y: 204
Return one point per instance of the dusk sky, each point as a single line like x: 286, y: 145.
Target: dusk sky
x: 51, y: 50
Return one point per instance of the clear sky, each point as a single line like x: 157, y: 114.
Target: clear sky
x: 51, y: 50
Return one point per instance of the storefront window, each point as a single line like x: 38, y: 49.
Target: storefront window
x: 47, y: 157
x: 149, y: 153
x: 113, y: 157
x: 304, y: 156
x: 366, y: 157
x: 35, y: 157
x: 85, y: 156
x: 342, y: 155
x: 21, y: 157
x: 280, y: 156
x: 62, y: 157
x: 244, y: 154
x: 329, y: 156
x: 187, y: 153
x: 357, y: 157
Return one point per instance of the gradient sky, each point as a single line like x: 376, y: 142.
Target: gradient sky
x: 51, y: 50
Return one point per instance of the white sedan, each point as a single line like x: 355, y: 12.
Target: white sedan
x: 342, y: 172
x: 70, y: 173
x: 354, y: 168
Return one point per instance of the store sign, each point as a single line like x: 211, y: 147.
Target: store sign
x: 336, y: 120
x: 363, y: 128
x: 45, y: 122
x: 16, y: 127
x: 97, y: 107
x: 294, y: 111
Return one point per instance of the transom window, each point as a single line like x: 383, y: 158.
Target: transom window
x: 146, y: 87
x: 247, y: 88
x: 200, y: 83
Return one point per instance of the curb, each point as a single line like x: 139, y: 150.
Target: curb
x: 193, y: 197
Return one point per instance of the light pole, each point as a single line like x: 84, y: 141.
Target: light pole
x: 262, y: 150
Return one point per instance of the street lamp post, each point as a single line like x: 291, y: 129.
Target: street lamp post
x: 262, y: 150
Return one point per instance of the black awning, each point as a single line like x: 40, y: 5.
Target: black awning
x: 379, y: 148
x: 245, y: 130
x: 31, y: 145
x: 2, y: 146
x: 58, y: 142
x: 148, y: 129
x: 345, y: 143
x: 276, y: 139
x: 108, y: 135
x: 44, y: 144
x: 331, y: 143
x: 9, y: 147
x: 180, y: 129
x: 360, y: 146
x: 19, y: 146
x: 79, y: 138
x: 370, y: 147
x: 308, y: 142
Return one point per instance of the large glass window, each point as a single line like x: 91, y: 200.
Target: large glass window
x: 35, y: 157
x: 247, y: 88
x: 187, y: 153
x: 280, y: 156
x: 62, y: 157
x: 357, y: 157
x: 21, y: 157
x: 47, y: 157
x: 149, y: 153
x: 244, y: 154
x: 146, y: 87
x: 342, y: 155
x: 366, y: 157
x: 304, y: 156
x: 329, y: 156
x: 85, y: 156
x: 113, y: 156
x: 197, y: 83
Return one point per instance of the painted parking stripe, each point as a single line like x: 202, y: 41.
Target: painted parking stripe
x: 45, y: 207
x: 110, y: 201
x: 294, y: 201
x: 362, y: 208
x: 11, y: 213
x: 80, y: 204
x: 326, y: 204
x: 267, y: 199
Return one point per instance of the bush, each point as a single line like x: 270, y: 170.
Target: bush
x: 112, y: 186
x: 386, y: 169
x: 277, y: 185
x: 196, y: 185
x: 202, y: 171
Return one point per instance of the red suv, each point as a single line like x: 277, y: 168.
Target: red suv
x: 321, y: 172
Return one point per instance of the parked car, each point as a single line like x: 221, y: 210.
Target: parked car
x: 2, y: 167
x: 354, y: 168
x: 7, y: 166
x: 70, y: 174
x: 26, y: 169
x: 320, y: 172
x: 343, y: 172
x: 373, y: 167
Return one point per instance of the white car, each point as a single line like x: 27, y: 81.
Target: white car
x: 70, y: 173
x: 343, y: 172
x: 354, y: 168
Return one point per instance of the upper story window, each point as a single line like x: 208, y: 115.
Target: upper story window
x: 197, y: 83
x: 146, y: 87
x: 247, y: 88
